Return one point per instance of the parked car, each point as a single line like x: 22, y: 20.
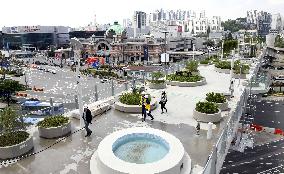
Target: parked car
x: 52, y: 71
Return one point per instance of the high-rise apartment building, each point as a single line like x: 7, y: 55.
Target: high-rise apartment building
x: 261, y: 19
x: 139, y: 19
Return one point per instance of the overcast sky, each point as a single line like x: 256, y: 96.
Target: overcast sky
x: 76, y: 13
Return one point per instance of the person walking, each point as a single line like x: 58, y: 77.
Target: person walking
x: 87, y: 116
x: 143, y: 105
x: 148, y: 107
x: 163, y: 102
x: 231, y: 88
x: 197, y: 128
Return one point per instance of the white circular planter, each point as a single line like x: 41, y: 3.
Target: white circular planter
x: 223, y: 106
x: 225, y: 71
x: 187, y: 84
x: 241, y: 76
x: 175, y: 161
x: 207, y: 117
x: 133, y: 108
x: 204, y: 64
x: 17, y: 150
x: 157, y: 85
x: 55, y: 132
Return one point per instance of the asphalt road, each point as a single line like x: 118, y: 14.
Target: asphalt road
x: 269, y: 114
x: 62, y: 86
x: 266, y: 158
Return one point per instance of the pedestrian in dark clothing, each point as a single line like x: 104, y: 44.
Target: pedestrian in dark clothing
x: 197, y: 128
x: 231, y: 88
x: 163, y: 101
x: 87, y: 116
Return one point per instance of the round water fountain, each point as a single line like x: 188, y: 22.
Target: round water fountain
x: 137, y: 150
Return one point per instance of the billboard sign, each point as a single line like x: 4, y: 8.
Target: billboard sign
x: 146, y: 56
x: 165, y: 58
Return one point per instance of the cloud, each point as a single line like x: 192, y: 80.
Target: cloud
x: 276, y: 2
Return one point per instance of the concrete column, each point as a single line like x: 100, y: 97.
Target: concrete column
x: 126, y: 86
x: 209, y: 132
x: 76, y: 102
x: 51, y: 106
x: 112, y: 88
x: 133, y: 81
x: 96, y: 93
x: 232, y: 66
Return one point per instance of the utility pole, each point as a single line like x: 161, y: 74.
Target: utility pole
x: 77, y: 48
x: 165, y: 32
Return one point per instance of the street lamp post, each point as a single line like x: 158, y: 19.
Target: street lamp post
x: 222, y: 50
x: 193, y: 52
x: 77, y: 47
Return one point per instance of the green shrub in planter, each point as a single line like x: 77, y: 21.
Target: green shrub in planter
x: 156, y: 78
x: 223, y: 65
x: 215, y: 97
x: 182, y: 78
x: 131, y: 98
x: 13, y: 138
x: 238, y: 65
x: 206, y: 107
x: 53, y: 121
x: 205, y: 61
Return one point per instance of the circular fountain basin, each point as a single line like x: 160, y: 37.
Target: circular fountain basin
x: 140, y: 148
x: 136, y: 150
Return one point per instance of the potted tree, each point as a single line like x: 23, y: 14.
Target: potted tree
x: 192, y: 67
x: 130, y: 102
x: 54, y: 127
x: 207, y: 112
x: 14, y: 140
x: 223, y: 67
x: 157, y: 82
x: 240, y: 69
x: 219, y: 99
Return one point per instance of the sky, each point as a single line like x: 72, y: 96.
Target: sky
x: 75, y: 13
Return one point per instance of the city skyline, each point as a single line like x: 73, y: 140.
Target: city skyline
x: 72, y: 14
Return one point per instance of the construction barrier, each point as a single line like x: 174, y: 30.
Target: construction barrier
x: 278, y: 132
x: 256, y: 127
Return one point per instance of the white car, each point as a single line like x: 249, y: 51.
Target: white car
x: 279, y: 78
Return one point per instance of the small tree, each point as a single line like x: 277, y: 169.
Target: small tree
x: 9, y: 87
x: 9, y: 120
x: 192, y: 66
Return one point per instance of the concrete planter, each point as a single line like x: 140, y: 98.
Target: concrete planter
x: 55, y: 132
x: 223, y: 106
x: 204, y: 64
x: 95, y: 109
x: 242, y: 76
x: 157, y: 85
x: 186, y: 84
x: 225, y: 71
x: 213, y: 118
x: 132, y: 108
x: 99, y: 109
x: 17, y: 150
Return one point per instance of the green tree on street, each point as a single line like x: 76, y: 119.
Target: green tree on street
x: 8, y: 88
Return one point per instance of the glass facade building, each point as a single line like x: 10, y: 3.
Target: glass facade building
x: 39, y: 40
